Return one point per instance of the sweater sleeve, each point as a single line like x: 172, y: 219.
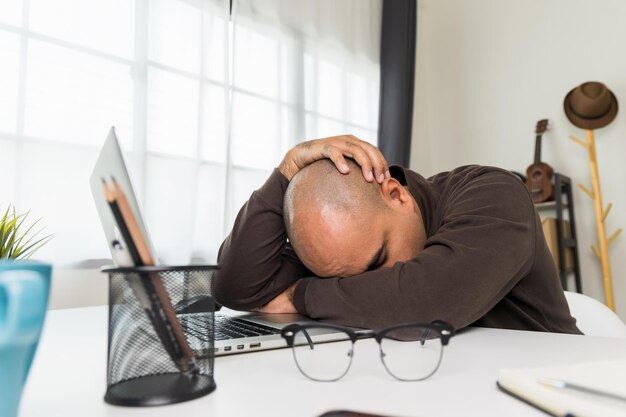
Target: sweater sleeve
x: 256, y: 262
x: 483, y: 247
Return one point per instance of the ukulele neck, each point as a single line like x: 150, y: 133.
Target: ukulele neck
x: 538, y: 149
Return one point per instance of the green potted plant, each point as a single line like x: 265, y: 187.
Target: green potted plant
x: 17, y: 240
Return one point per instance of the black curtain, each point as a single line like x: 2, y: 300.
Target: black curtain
x: 397, y: 75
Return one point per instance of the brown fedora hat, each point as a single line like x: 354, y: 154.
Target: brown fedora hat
x: 590, y: 105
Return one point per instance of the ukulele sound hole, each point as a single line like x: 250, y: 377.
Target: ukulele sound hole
x: 536, y: 175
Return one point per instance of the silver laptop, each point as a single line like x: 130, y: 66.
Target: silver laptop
x: 235, y: 332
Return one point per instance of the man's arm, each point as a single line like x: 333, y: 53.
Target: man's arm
x: 485, y: 246
x: 256, y: 263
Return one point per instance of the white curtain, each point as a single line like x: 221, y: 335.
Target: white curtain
x: 205, y: 106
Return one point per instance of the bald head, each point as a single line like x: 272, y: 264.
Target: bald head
x: 321, y: 203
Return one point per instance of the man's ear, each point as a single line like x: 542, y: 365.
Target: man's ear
x: 395, y: 194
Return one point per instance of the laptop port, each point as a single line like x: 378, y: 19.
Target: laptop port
x: 227, y: 348
x: 239, y: 347
x: 255, y: 345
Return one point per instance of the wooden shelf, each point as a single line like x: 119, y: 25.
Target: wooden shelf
x: 563, y: 203
x: 548, y: 205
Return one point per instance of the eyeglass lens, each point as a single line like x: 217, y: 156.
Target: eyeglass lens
x: 322, y: 361
x: 411, y: 353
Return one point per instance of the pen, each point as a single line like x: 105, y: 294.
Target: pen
x: 557, y: 383
x: 121, y: 224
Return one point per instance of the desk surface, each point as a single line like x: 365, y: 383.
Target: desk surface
x: 68, y: 376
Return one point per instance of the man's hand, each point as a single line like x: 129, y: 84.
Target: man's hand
x: 336, y: 148
x: 283, y: 303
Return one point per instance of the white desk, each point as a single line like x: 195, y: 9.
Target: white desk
x: 68, y: 376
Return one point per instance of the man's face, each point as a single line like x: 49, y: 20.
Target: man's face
x: 338, y: 244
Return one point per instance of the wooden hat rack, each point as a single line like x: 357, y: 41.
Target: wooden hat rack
x: 601, y: 212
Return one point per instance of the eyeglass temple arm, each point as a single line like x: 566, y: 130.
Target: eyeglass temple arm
x: 445, y: 329
x: 308, y: 339
x: 289, y: 332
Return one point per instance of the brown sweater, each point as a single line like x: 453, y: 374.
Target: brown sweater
x: 485, y: 261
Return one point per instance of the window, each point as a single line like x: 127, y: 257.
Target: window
x: 205, y: 106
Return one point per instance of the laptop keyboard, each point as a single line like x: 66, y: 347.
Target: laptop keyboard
x: 226, y: 327
x: 233, y: 328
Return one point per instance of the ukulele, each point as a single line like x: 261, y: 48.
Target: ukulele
x: 539, y: 174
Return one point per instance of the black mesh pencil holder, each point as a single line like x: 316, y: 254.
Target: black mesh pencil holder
x: 148, y: 361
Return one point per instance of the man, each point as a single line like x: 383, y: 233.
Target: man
x: 385, y: 245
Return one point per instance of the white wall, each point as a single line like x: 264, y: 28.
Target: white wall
x: 487, y: 70
x: 72, y: 287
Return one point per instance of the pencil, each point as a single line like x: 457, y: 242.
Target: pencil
x: 135, y: 281
x: 131, y: 223
x: 161, y: 312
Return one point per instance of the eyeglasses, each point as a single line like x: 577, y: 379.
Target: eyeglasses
x: 409, y: 352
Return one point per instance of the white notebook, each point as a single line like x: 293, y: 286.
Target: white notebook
x: 607, y: 376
